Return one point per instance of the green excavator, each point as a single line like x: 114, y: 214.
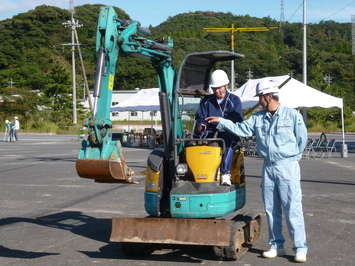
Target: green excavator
x: 183, y: 197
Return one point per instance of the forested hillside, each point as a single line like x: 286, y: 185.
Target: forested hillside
x: 33, y: 56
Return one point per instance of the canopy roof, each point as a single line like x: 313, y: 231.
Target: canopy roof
x: 292, y: 94
x: 143, y: 100
x: 148, y: 100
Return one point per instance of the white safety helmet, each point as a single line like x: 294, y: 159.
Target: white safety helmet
x: 7, y: 121
x: 15, y: 117
x: 218, y: 78
x: 266, y: 86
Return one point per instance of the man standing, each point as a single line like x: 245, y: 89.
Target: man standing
x: 224, y: 104
x: 281, y: 137
x: 16, y: 128
x: 8, y: 131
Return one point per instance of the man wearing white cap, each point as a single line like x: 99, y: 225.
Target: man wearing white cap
x: 281, y: 137
x: 16, y: 128
x: 8, y: 131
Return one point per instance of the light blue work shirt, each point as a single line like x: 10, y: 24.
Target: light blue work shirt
x: 280, y: 138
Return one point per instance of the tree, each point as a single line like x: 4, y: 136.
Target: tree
x: 58, y: 91
x: 31, y: 51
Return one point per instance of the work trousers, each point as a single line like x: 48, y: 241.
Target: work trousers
x: 230, y: 141
x: 281, y: 191
x: 14, y: 137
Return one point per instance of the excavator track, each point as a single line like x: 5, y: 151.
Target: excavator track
x: 230, y: 238
x: 244, y: 231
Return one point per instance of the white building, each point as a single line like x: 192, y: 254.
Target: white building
x: 119, y: 97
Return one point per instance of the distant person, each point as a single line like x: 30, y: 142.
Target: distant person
x: 281, y: 137
x: 8, y: 131
x: 16, y: 128
x: 223, y: 104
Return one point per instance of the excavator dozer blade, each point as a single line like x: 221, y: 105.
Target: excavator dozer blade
x: 230, y: 238
x: 104, y: 171
x: 206, y: 232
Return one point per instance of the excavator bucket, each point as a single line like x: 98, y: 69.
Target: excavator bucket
x: 104, y: 171
x: 111, y: 168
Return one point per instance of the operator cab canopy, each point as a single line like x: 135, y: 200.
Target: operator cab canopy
x: 195, y: 69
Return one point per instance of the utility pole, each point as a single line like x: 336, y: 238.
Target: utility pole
x: 353, y: 33
x: 73, y: 24
x: 328, y: 79
x: 11, y: 82
x: 250, y: 74
x: 304, y: 111
x: 86, y: 85
x: 232, y: 30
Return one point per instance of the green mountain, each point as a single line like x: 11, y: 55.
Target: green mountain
x: 34, y: 55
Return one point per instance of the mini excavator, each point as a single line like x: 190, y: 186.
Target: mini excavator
x: 183, y: 196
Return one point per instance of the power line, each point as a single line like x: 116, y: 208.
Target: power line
x: 325, y: 17
x: 339, y: 10
x: 295, y: 12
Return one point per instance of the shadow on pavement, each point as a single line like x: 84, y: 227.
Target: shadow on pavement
x: 168, y: 253
x: 20, y: 254
x: 75, y: 222
x: 100, y: 230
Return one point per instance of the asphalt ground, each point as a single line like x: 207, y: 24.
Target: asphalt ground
x: 50, y: 216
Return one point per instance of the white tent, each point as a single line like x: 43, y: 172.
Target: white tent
x: 246, y: 92
x: 292, y: 94
x: 148, y: 100
x: 143, y: 100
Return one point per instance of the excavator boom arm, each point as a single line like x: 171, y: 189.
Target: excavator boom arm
x: 100, y: 157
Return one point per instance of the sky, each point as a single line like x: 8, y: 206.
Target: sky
x: 154, y: 12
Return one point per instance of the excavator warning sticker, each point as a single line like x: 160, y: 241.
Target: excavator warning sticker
x: 151, y: 185
x: 110, y: 85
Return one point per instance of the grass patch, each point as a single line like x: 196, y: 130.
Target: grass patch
x: 331, y: 126
x: 50, y: 127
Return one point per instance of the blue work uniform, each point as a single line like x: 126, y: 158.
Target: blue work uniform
x: 230, y: 108
x: 281, y: 139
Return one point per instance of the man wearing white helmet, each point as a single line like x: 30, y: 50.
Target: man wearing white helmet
x: 224, y: 104
x: 281, y: 137
x: 16, y: 128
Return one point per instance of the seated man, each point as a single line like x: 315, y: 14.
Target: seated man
x: 223, y: 104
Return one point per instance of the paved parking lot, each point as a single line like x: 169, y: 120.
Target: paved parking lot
x: 50, y: 216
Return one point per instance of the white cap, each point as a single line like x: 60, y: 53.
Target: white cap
x: 7, y: 121
x: 16, y: 117
x: 219, y: 78
x: 266, y: 86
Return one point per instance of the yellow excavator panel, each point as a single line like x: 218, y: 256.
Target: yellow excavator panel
x: 237, y: 169
x: 152, y: 180
x: 203, y: 161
